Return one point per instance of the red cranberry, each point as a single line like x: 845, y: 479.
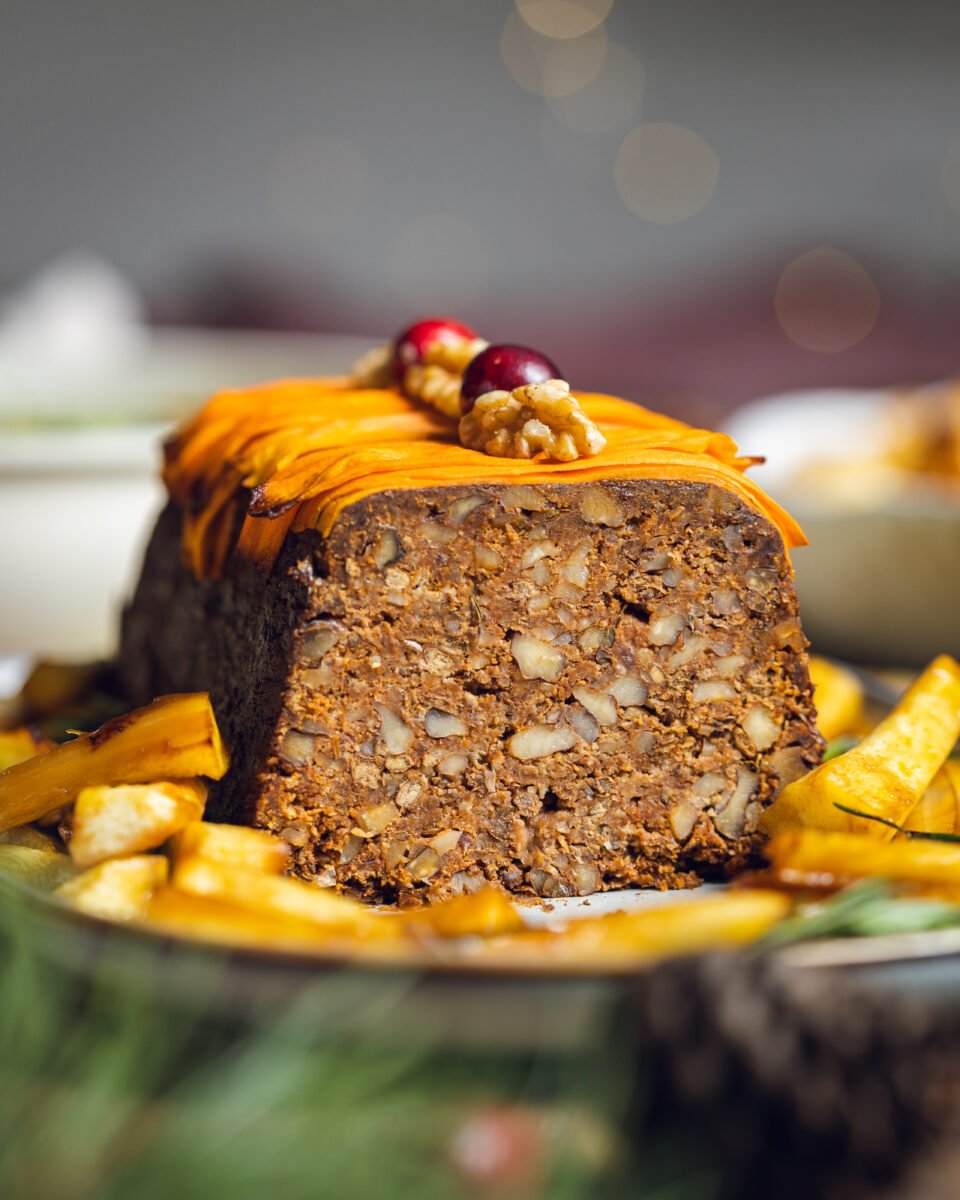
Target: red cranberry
x: 503, y: 368
x: 411, y: 346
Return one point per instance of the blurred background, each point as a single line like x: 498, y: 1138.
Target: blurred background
x: 635, y: 183
x: 690, y: 204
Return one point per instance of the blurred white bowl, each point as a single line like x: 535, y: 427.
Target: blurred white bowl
x: 880, y: 580
x: 79, y: 474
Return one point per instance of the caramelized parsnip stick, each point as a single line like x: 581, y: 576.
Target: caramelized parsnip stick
x: 233, y: 845
x: 483, y: 914
x: 838, y: 698
x: 686, y: 927
x: 115, y: 822
x: 810, y: 852
x: 936, y: 810
x: 216, y: 921
x: 53, y: 686
x: 118, y: 890
x: 887, y: 773
x: 281, y: 897
x: 175, y: 737
x: 17, y: 745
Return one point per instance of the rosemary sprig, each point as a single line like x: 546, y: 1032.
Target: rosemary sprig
x: 865, y: 909
x: 922, y: 835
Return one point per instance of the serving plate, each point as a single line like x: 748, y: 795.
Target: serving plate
x: 455, y: 1001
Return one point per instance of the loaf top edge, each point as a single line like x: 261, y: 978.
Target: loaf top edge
x: 255, y: 464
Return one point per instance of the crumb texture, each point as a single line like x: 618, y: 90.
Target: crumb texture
x: 558, y: 688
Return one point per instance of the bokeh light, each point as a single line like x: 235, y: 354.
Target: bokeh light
x: 950, y: 174
x: 548, y: 66
x: 665, y: 173
x: 564, y: 18
x: 826, y: 301
x: 439, y: 261
x: 316, y: 184
x: 609, y: 100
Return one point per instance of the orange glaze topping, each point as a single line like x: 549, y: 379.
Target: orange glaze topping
x: 255, y: 465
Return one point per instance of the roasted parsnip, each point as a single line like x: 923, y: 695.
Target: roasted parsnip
x: 280, y: 897
x: 175, y: 737
x: 118, y: 890
x: 812, y: 852
x: 115, y: 822
x: 233, y: 845
x: 838, y: 698
x: 884, y: 775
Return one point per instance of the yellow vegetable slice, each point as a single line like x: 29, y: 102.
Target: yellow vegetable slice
x: 17, y: 745
x: 936, y: 810
x: 233, y: 845
x: 733, y: 918
x: 483, y: 914
x: 884, y: 775
x: 175, y: 737
x: 118, y: 890
x: 810, y: 852
x: 218, y: 922
x: 115, y: 822
x: 280, y: 897
x: 838, y: 697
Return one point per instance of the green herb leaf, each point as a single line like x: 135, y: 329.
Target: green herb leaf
x: 921, y: 834
x: 840, y: 745
x: 865, y: 909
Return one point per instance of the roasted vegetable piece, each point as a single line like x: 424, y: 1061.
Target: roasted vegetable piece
x: 271, y: 894
x: 482, y: 914
x: 216, y: 921
x: 838, y: 698
x: 234, y: 845
x: 38, y: 868
x: 685, y: 927
x: 115, y: 822
x: 885, y: 774
x: 936, y: 810
x: 35, y: 839
x: 53, y: 686
x: 175, y: 737
x: 118, y: 890
x: 17, y: 745
x: 810, y: 852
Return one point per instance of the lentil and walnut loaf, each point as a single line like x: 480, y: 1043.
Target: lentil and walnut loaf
x: 558, y: 686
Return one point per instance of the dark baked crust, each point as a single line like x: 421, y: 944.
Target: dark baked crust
x: 445, y: 602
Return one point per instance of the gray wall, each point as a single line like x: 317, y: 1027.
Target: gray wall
x: 159, y: 134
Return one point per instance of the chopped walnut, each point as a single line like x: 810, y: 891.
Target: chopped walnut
x: 435, y: 381
x: 374, y: 369
x: 434, y: 386
x: 538, y: 418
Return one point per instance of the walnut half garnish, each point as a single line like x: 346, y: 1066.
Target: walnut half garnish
x: 537, y: 418
x: 510, y: 400
x: 374, y: 369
